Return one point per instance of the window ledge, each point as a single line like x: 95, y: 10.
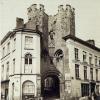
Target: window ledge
x: 86, y: 79
x: 28, y: 48
x: 78, y: 78
x: 91, y: 65
x: 76, y: 60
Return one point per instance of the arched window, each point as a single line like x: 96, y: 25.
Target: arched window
x: 28, y: 59
x: 28, y: 63
x: 48, y: 83
x: 58, y: 54
x: 28, y: 90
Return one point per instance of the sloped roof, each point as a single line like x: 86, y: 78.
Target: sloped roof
x: 82, y: 42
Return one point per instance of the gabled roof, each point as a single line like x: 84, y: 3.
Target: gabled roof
x: 82, y: 42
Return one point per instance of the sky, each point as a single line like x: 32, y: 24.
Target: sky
x: 87, y: 15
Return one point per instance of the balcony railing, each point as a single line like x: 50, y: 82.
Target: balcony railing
x: 91, y: 65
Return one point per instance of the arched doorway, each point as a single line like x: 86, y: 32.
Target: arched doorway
x: 51, y: 86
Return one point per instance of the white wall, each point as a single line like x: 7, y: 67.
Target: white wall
x: 76, y: 84
x: 18, y: 54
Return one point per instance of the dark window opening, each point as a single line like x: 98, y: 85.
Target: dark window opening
x: 85, y: 72
x: 85, y: 89
x: 77, y: 71
x: 28, y: 59
x: 51, y: 87
x: 76, y: 53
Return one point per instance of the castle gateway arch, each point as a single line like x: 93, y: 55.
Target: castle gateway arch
x: 50, y: 85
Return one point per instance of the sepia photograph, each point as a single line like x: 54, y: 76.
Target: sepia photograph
x: 50, y: 49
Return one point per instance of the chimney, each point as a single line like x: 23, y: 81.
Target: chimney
x: 19, y: 22
x: 91, y: 42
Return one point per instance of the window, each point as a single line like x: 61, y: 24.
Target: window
x: 7, y: 71
x: 76, y: 54
x: 96, y: 74
x: 28, y: 42
x: 13, y: 66
x: 85, y: 89
x: 77, y: 71
x: 95, y: 60
x: 59, y: 55
x: 85, y: 72
x: 84, y: 56
x: 8, y: 47
x: 14, y: 45
x: 28, y: 88
x: 48, y: 83
x: 28, y: 63
x: 3, y: 52
x: 91, y: 73
x: 99, y: 63
x: 2, y: 71
x: 6, y: 94
x: 28, y: 59
x: 90, y: 59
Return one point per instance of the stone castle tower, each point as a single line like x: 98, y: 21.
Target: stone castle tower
x: 60, y: 25
x: 53, y: 27
x: 38, y: 19
x: 54, y: 53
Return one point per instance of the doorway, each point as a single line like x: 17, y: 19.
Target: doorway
x: 51, y: 87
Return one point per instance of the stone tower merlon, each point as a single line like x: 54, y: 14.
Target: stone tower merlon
x: 42, y: 8
x: 65, y: 20
x: 60, y: 8
x: 33, y: 11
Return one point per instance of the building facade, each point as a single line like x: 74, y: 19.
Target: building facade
x: 43, y: 58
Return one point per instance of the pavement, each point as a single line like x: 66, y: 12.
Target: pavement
x: 98, y: 98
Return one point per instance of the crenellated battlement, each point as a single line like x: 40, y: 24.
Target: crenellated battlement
x: 33, y: 10
x: 60, y: 8
x: 64, y: 20
x: 67, y: 8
